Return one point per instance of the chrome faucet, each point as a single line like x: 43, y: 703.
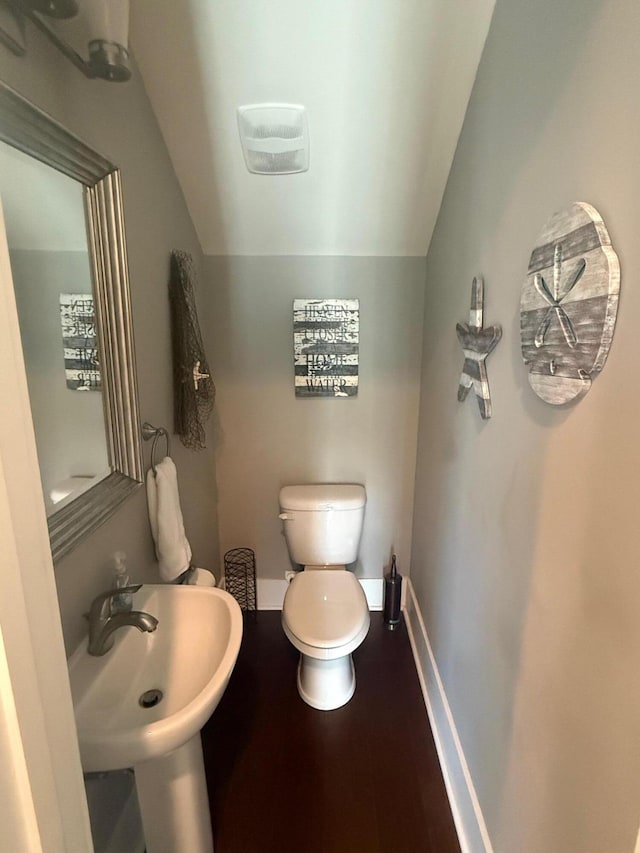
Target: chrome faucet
x: 102, y: 623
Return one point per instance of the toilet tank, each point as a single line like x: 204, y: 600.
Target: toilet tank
x: 323, y: 523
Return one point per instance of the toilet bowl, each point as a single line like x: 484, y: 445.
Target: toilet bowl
x: 325, y: 613
x: 326, y: 617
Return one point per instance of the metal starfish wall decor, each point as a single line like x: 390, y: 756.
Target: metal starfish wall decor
x: 477, y: 343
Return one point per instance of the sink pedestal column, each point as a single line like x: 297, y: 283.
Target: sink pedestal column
x: 174, y: 805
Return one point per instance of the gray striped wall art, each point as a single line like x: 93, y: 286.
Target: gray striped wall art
x: 477, y: 343
x: 80, y: 342
x: 326, y: 336
x: 569, y: 304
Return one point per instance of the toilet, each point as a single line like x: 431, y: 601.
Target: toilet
x: 325, y: 613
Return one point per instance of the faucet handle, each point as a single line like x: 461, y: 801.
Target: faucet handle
x: 132, y: 587
x: 99, y: 602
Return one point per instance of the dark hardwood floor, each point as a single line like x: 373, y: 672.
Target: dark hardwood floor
x: 285, y: 778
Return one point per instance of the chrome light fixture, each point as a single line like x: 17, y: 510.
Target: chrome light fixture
x: 93, y: 34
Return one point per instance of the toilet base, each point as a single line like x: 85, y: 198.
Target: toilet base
x: 326, y: 684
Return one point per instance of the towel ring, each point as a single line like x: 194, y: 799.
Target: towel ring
x: 149, y: 431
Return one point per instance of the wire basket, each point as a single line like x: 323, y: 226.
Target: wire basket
x: 240, y: 577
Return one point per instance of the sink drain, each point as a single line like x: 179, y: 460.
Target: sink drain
x: 150, y: 698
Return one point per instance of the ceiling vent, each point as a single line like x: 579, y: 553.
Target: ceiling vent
x: 275, y: 138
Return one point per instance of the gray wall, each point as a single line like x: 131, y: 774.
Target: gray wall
x: 525, y: 552
x: 267, y: 438
x: 69, y: 425
x: 116, y: 119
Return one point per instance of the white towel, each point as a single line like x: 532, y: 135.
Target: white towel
x: 201, y: 577
x: 172, y: 547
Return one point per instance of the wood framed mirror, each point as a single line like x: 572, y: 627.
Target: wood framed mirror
x: 26, y: 129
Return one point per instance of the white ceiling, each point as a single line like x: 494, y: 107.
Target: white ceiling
x: 385, y: 82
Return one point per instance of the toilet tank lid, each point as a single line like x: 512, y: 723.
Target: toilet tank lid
x: 323, y: 497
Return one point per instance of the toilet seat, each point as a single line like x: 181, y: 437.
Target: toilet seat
x: 325, y: 613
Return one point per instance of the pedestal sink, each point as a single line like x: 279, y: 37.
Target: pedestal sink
x: 143, y: 703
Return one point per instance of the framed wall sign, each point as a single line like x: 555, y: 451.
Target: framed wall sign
x: 81, y: 362
x: 325, y: 347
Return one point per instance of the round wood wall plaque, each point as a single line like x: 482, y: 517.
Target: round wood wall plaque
x: 569, y: 304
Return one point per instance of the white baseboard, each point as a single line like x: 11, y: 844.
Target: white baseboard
x: 468, y: 817
x: 271, y: 593
x: 374, y: 590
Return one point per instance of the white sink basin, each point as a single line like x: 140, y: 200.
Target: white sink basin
x: 189, y: 658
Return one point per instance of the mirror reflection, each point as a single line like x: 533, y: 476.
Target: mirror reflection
x: 50, y: 264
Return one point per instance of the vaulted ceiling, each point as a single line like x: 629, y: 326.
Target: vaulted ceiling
x: 385, y: 83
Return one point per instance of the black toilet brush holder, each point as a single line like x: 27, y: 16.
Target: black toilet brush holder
x: 392, y: 597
